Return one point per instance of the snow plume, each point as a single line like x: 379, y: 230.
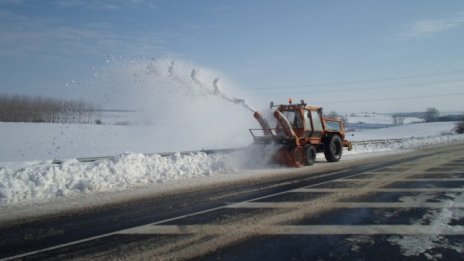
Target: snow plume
x: 179, y: 98
x: 217, y: 91
x: 142, y: 84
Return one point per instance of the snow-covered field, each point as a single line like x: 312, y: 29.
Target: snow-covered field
x: 42, y: 141
x: 23, y: 181
x: 414, y: 130
x: 377, y: 118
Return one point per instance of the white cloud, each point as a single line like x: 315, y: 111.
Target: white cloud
x: 425, y: 28
x: 220, y: 9
x: 11, y: 2
x: 93, y: 4
x: 107, y: 4
x: 50, y: 38
x: 191, y: 26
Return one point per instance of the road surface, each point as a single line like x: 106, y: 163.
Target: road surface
x: 409, y: 206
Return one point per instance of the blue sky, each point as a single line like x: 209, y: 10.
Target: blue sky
x: 348, y: 56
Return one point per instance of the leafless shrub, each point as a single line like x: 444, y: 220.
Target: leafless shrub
x: 24, y: 108
x: 459, y: 127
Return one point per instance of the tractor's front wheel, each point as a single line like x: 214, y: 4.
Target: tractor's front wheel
x: 310, y: 155
x: 333, y: 148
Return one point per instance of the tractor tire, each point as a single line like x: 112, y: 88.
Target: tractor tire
x: 310, y: 155
x: 333, y: 148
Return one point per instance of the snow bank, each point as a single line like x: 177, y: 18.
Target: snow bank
x: 46, y: 181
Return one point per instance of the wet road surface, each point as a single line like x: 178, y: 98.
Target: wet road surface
x: 410, y: 208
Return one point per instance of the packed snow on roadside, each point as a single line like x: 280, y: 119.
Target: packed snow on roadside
x: 43, y: 181
x: 26, y: 182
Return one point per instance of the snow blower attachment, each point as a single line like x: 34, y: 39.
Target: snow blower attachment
x: 301, y: 132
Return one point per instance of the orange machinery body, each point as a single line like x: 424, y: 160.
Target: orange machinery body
x: 302, y: 131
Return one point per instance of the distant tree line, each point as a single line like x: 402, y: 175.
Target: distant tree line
x: 335, y: 115
x: 433, y: 115
x: 22, y: 108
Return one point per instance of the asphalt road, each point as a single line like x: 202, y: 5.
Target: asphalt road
x: 408, y: 207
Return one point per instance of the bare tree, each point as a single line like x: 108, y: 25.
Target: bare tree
x: 26, y: 109
x: 431, y: 114
x: 459, y: 127
x: 397, y: 119
x: 335, y: 115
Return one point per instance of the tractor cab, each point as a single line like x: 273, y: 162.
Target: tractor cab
x: 306, y: 121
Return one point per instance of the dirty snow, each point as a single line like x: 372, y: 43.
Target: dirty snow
x: 440, y: 219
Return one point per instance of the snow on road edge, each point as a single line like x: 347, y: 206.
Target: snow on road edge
x: 72, y: 178
x: 41, y: 182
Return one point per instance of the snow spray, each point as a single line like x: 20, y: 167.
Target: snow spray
x: 217, y: 91
x: 185, y: 104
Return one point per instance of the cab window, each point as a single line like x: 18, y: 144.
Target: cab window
x: 307, y: 121
x: 294, y: 118
x: 316, y: 121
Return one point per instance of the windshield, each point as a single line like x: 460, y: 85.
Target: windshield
x: 294, y: 118
x: 333, y: 125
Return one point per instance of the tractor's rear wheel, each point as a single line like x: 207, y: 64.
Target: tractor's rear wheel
x: 333, y: 148
x: 310, y: 155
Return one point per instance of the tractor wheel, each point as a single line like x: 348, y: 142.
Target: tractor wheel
x: 333, y: 148
x: 310, y: 155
